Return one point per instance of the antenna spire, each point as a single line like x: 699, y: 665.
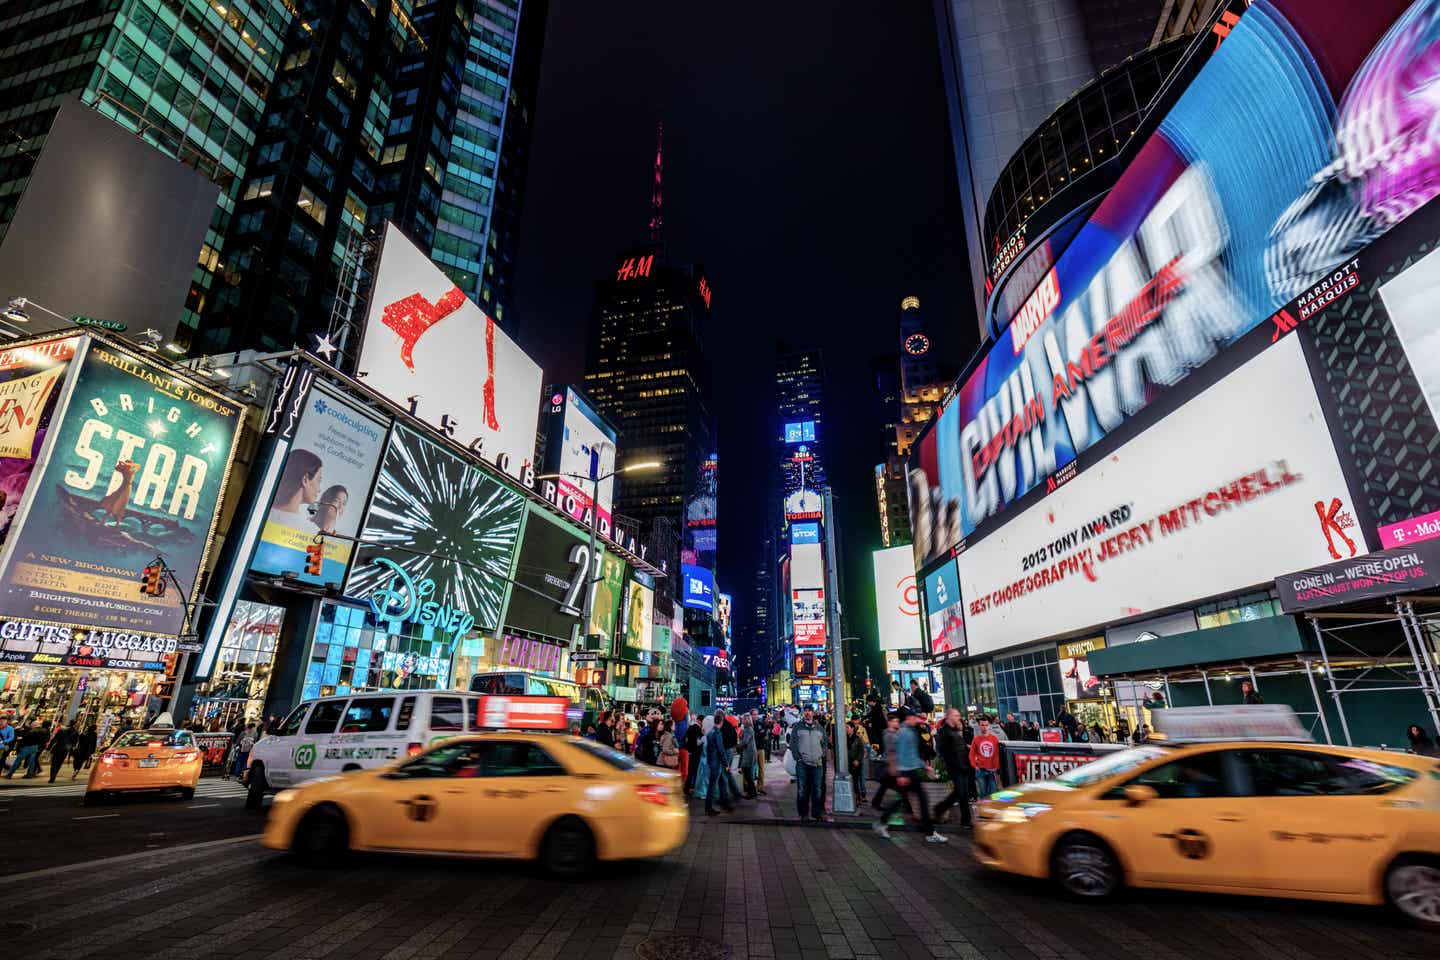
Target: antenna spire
x: 657, y: 217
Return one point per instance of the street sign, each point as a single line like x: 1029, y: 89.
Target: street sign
x: 584, y: 656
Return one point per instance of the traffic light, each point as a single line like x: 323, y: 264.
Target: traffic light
x: 152, y: 581
x: 315, y: 557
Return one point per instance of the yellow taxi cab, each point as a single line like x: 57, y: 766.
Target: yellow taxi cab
x: 564, y: 801
x: 1217, y: 808
x: 159, y: 758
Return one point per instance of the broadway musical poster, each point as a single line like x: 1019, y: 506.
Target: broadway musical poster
x: 32, y: 378
x: 135, y: 472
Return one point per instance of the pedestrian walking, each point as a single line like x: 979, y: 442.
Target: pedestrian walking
x: 856, y: 749
x: 243, y: 746
x: 749, y: 755
x: 27, y: 751
x: 719, y: 787
x: 807, y: 739
x: 762, y: 748
x: 956, y: 754
x: 985, y: 758
x: 694, y: 747
x: 1011, y: 727
x: 909, y: 774
x: 1249, y: 695
x: 83, y: 750
x: 61, y: 742
x: 667, y: 748
x: 7, y: 740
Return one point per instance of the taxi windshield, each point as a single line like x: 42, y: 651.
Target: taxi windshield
x: 621, y: 761
x: 154, y: 738
x: 1108, y: 766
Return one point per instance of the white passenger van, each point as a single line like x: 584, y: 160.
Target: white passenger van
x: 360, y: 731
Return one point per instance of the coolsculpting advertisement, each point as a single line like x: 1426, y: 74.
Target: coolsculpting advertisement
x: 135, y: 474
x: 1236, y: 484
x: 1328, y: 139
x: 322, y: 489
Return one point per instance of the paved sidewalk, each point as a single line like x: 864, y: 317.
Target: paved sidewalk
x: 777, y: 806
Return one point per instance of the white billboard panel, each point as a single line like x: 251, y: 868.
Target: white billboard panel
x: 897, y: 599
x: 435, y: 353
x: 1233, y: 488
x: 807, y: 567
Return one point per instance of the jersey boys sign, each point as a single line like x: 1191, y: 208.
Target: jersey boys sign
x: 1234, y: 485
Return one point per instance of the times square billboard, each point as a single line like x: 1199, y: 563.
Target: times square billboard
x: 1220, y: 241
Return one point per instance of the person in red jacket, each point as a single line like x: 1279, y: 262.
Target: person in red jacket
x: 985, y: 758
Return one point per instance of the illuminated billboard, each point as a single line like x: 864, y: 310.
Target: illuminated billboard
x: 322, y: 488
x: 800, y: 432
x: 32, y: 379
x: 134, y: 471
x: 638, y: 614
x: 897, y: 599
x: 550, y: 578
x: 808, y: 610
x: 699, y: 588
x: 432, y: 351
x: 1165, y: 519
x: 805, y: 532
x: 605, y: 605
x: 1212, y: 227
x: 439, y: 519
x: 945, y: 612
x: 804, y: 504
x: 807, y: 567
x: 580, y: 448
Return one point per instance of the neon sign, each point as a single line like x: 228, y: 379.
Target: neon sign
x: 403, y: 601
x: 635, y: 268
x: 705, y: 292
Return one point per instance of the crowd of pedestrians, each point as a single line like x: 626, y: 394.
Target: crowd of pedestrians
x: 30, y: 740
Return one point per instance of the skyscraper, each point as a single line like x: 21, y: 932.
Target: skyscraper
x: 912, y: 392
x: 800, y: 413
x: 1008, y: 65
x: 190, y: 77
x: 458, y: 145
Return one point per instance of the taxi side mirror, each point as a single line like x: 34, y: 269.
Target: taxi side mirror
x: 1137, y: 793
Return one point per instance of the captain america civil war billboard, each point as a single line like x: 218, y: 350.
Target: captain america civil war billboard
x: 135, y: 473
x: 1328, y: 140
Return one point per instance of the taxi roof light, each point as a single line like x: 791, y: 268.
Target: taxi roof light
x: 1269, y: 722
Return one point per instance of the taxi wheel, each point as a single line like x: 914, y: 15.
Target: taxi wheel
x: 187, y: 793
x: 1085, y: 867
x: 1412, y: 888
x: 568, y: 850
x: 322, y: 838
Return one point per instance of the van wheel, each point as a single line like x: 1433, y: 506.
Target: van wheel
x: 255, y: 794
x: 568, y: 850
x: 1412, y: 888
x: 1085, y: 867
x: 323, y: 837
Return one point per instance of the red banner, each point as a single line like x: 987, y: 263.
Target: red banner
x: 1046, y: 766
x: 523, y: 713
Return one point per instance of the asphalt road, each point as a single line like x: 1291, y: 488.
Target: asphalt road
x: 171, y: 878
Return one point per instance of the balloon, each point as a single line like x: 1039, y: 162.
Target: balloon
x: 679, y: 709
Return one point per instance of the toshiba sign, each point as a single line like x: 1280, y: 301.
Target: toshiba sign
x: 1230, y: 489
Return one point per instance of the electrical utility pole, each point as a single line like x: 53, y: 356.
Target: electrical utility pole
x: 844, y: 797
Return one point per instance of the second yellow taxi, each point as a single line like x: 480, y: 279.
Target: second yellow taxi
x: 564, y: 801
x: 1276, y: 817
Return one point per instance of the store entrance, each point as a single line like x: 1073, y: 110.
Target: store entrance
x: 86, y: 696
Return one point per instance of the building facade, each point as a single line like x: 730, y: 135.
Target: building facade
x: 190, y: 77
x: 645, y: 371
x: 1008, y: 66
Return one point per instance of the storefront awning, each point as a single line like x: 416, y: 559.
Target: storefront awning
x: 1234, y: 643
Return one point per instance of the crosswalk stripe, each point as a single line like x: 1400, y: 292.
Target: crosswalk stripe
x: 206, y: 788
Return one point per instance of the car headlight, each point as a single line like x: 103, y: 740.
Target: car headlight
x: 1023, y: 812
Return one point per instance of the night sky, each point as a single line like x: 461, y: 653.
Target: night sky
x: 808, y: 168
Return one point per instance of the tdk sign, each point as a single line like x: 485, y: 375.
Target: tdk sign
x: 804, y: 533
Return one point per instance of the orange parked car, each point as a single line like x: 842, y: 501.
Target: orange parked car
x: 155, y: 759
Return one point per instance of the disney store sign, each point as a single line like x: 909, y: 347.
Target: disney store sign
x: 404, y: 600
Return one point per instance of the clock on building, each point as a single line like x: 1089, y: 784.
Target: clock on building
x: 917, y: 344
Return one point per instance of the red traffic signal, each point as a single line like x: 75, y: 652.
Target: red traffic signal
x: 152, y: 583
x: 315, y: 558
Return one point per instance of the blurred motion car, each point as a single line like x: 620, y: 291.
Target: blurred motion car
x: 155, y: 759
x: 560, y: 800
x: 1213, y: 809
